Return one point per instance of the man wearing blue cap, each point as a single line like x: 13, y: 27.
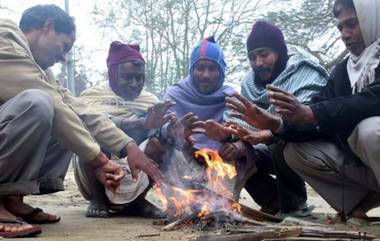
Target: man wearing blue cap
x: 203, y: 91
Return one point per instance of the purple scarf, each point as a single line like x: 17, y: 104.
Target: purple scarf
x: 205, y: 106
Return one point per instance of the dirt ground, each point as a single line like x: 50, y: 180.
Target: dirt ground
x: 75, y: 226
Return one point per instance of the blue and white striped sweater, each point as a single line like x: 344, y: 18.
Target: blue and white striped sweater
x: 302, y: 77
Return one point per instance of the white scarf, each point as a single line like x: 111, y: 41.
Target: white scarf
x: 361, y: 69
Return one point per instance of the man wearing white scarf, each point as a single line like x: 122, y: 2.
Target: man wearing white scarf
x: 340, y: 131
x: 361, y: 66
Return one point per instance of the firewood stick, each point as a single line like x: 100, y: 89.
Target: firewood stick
x: 258, y: 229
x: 308, y: 239
x: 252, y: 213
x: 239, y: 219
x: 259, y: 215
x: 173, y: 225
x: 326, y: 233
x: 250, y: 221
x: 312, y: 239
x: 148, y: 235
x: 252, y: 236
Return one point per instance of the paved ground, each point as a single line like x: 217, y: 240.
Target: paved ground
x: 74, y: 226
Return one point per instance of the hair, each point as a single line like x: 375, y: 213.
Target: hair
x: 35, y: 18
x: 339, y: 5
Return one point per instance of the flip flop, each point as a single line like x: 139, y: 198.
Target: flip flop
x: 300, y: 213
x: 33, y: 231
x: 31, y: 217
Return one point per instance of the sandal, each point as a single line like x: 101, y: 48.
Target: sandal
x: 33, y: 231
x: 31, y: 217
x: 299, y: 213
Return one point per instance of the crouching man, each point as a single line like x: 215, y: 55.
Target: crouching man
x: 136, y: 112
x: 42, y: 124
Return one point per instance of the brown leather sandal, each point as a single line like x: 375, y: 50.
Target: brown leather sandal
x: 30, y: 232
x: 31, y: 217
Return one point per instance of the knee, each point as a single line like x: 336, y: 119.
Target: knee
x: 40, y: 104
x: 290, y: 156
x: 366, y: 135
x: 299, y: 158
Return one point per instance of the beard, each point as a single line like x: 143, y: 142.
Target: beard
x: 276, y: 71
x: 129, y: 95
x: 263, y: 69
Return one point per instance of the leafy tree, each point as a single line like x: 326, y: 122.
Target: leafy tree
x: 311, y: 25
x: 169, y: 29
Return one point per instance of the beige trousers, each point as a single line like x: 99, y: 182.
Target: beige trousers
x: 336, y: 175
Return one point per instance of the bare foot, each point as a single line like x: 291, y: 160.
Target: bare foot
x: 16, y: 206
x: 97, y: 210
x: 372, y: 200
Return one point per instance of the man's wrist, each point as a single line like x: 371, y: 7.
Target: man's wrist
x: 267, y: 135
x: 100, y: 160
x: 309, y: 115
x: 280, y: 127
x: 277, y: 124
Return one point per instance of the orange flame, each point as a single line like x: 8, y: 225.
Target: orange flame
x: 236, y: 207
x: 204, y: 211
x: 182, y: 200
x: 215, y: 163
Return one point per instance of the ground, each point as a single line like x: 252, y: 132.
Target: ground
x: 74, y: 226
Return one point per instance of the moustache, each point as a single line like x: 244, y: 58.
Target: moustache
x: 262, y: 70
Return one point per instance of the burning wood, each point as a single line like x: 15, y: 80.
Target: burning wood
x: 208, y: 205
x: 182, y: 198
x: 188, y: 201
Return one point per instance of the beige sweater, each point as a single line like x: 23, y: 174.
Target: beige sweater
x: 75, y: 125
x: 102, y: 99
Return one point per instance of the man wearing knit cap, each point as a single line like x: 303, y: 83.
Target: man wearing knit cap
x: 135, y: 111
x: 339, y: 130
x: 202, y: 93
x: 272, y: 63
x: 199, y: 97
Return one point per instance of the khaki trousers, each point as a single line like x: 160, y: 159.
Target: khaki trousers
x: 336, y: 176
x: 31, y: 162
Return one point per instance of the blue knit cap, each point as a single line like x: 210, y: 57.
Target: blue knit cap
x: 209, y: 49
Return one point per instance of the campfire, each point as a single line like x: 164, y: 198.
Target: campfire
x: 208, y: 205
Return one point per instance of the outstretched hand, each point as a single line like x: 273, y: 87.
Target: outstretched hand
x: 232, y: 151
x: 137, y: 160
x: 186, y: 126
x: 252, y: 114
x: 216, y: 131
x: 288, y: 106
x: 157, y: 115
x: 251, y: 136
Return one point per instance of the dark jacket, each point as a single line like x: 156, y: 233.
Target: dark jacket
x: 337, y: 111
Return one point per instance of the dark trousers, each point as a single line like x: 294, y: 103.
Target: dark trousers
x: 286, y: 192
